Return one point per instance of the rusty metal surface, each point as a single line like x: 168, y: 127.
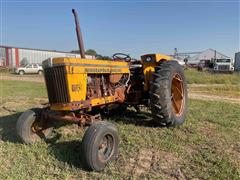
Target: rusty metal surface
x: 98, y: 86
x: 120, y: 94
x: 114, y: 78
x: 94, y: 89
x: 81, y: 119
x: 79, y: 35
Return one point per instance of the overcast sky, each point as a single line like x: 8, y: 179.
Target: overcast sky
x: 133, y: 27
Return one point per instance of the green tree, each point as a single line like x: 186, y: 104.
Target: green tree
x: 99, y: 56
x: 91, y: 52
x: 75, y: 51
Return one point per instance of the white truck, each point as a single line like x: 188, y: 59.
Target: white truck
x: 29, y: 69
x: 223, y: 65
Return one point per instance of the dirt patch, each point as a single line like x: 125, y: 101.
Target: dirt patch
x: 167, y: 165
x: 208, y: 97
x: 206, y: 85
x: 71, y: 130
x: 10, y: 107
x: 142, y: 162
x: 41, y: 100
x: 160, y: 164
x: 208, y: 129
x: 29, y: 78
x: 234, y: 152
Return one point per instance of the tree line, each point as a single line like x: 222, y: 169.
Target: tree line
x: 93, y: 52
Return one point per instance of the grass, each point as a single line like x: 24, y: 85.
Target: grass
x: 227, y: 85
x: 23, y: 88
x: 4, y: 71
x: 221, y: 90
x: 207, y: 146
x: 196, y: 77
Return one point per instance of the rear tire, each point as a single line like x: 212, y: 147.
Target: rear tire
x: 21, y: 73
x: 29, y: 127
x: 100, y: 145
x: 40, y: 72
x: 168, y: 94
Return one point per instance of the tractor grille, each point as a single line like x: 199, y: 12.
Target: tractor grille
x: 223, y: 67
x: 56, y: 82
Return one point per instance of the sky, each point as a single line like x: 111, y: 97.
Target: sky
x: 132, y: 27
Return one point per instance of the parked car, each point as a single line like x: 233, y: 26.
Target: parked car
x: 29, y: 69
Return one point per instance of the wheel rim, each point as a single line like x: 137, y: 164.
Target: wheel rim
x: 36, y: 127
x: 177, y: 94
x: 105, y: 149
x: 37, y: 131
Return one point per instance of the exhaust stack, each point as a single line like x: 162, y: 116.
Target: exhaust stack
x: 79, y: 35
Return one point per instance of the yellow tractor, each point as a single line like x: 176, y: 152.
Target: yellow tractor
x: 79, y: 89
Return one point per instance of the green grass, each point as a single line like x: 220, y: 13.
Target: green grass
x: 5, y: 71
x: 227, y: 85
x: 220, y: 90
x: 194, y: 76
x: 207, y: 146
x: 22, y: 88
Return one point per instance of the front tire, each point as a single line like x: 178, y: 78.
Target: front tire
x: 168, y: 94
x: 100, y: 145
x: 30, y: 127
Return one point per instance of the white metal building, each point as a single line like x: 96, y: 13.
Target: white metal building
x: 237, y: 61
x: 12, y: 56
x: 208, y: 54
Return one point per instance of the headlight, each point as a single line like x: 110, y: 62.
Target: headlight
x: 148, y: 59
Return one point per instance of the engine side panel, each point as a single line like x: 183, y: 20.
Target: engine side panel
x: 89, y: 82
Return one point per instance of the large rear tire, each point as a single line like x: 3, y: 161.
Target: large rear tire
x: 168, y: 94
x: 100, y: 145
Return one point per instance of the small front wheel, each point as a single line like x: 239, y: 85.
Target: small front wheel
x: 30, y: 127
x: 100, y: 145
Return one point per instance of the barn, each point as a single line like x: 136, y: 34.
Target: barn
x: 12, y: 56
x: 208, y: 54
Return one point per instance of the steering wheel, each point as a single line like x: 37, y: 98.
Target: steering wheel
x: 121, y: 56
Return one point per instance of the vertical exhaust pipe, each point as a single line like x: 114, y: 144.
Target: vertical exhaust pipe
x: 79, y: 35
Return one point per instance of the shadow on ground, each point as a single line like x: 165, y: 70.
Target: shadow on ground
x: 141, y: 118
x: 8, y: 128
x: 8, y: 123
x: 68, y: 152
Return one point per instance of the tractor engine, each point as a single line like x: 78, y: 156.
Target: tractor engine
x: 99, y: 86
x: 81, y: 84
